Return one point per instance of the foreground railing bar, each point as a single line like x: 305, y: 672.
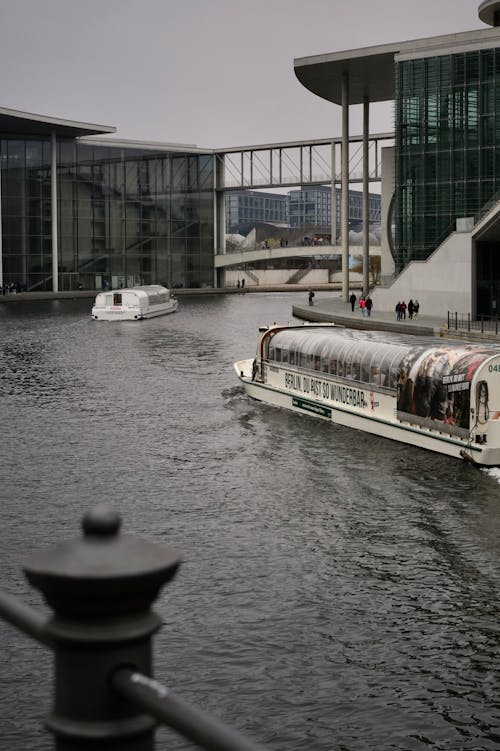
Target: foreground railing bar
x: 159, y: 702
x: 26, y: 618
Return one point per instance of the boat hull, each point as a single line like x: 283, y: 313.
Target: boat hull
x: 360, y: 411
x: 119, y: 314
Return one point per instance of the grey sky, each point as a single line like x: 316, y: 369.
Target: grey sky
x: 210, y: 72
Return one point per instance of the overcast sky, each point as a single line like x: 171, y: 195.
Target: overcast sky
x: 209, y: 72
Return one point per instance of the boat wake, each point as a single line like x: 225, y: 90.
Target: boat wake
x: 493, y: 472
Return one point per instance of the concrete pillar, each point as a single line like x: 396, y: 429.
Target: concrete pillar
x: 333, y: 202
x: 219, y: 212
x: 1, y: 234
x: 366, y: 208
x: 345, y: 187
x: 53, y: 185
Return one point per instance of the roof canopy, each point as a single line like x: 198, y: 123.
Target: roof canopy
x: 371, y: 69
x: 25, y: 123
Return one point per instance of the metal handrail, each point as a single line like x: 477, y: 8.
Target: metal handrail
x: 168, y: 708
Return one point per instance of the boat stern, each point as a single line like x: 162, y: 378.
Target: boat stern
x: 243, y: 369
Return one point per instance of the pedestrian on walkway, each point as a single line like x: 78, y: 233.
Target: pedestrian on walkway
x: 369, y: 305
x: 416, y: 308
x: 398, y: 310
x: 311, y: 297
x: 362, y: 305
x: 352, y: 300
x: 411, y: 309
x: 403, y: 310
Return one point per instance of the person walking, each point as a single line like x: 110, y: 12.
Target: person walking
x: 369, y: 305
x: 403, y: 310
x: 311, y: 297
x: 352, y: 300
x: 411, y: 309
x: 362, y: 305
x: 398, y: 310
x: 416, y: 308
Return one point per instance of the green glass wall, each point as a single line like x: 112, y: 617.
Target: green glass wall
x: 447, y: 139
x: 125, y: 216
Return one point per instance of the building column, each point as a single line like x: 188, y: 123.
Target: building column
x: 366, y: 206
x: 333, y: 201
x: 219, y: 213
x: 1, y: 233
x: 53, y: 185
x: 345, y: 187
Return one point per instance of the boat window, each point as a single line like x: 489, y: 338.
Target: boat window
x: 292, y: 358
x: 117, y: 298
x: 351, y: 364
x: 284, y: 355
x: 305, y: 360
x: 341, y: 357
x: 365, y: 373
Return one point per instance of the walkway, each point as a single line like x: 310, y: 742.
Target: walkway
x: 334, y: 309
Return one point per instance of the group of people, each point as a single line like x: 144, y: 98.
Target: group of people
x: 365, y: 304
x: 11, y: 288
x: 241, y: 284
x: 402, y: 307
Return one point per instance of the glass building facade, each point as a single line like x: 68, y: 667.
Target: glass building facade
x: 125, y: 215
x: 447, y: 139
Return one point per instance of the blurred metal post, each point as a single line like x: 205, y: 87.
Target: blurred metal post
x: 101, y: 587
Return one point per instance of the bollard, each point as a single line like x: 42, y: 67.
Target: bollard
x: 100, y: 587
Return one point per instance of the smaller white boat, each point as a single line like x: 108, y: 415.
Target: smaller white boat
x: 133, y: 303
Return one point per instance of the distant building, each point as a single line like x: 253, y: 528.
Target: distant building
x: 246, y: 208
x: 306, y: 207
x: 312, y: 207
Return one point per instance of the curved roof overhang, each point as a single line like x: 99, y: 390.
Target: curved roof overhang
x: 371, y: 70
x: 24, y: 123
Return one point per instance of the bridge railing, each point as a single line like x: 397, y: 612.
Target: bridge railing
x: 101, y: 588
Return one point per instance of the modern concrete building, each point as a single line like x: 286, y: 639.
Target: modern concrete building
x: 440, y: 182
x: 79, y: 210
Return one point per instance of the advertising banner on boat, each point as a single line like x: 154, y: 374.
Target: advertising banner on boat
x: 435, y: 383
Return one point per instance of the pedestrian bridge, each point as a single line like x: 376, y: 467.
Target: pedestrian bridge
x: 318, y: 252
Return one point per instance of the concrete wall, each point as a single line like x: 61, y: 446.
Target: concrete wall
x: 443, y: 282
x: 271, y: 277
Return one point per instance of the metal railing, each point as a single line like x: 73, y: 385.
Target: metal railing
x: 101, y: 587
x: 465, y: 322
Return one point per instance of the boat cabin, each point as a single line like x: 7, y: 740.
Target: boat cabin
x: 133, y: 303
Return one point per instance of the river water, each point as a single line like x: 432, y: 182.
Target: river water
x: 338, y: 591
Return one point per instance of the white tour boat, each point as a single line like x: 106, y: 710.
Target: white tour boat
x: 435, y: 394
x: 133, y: 303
